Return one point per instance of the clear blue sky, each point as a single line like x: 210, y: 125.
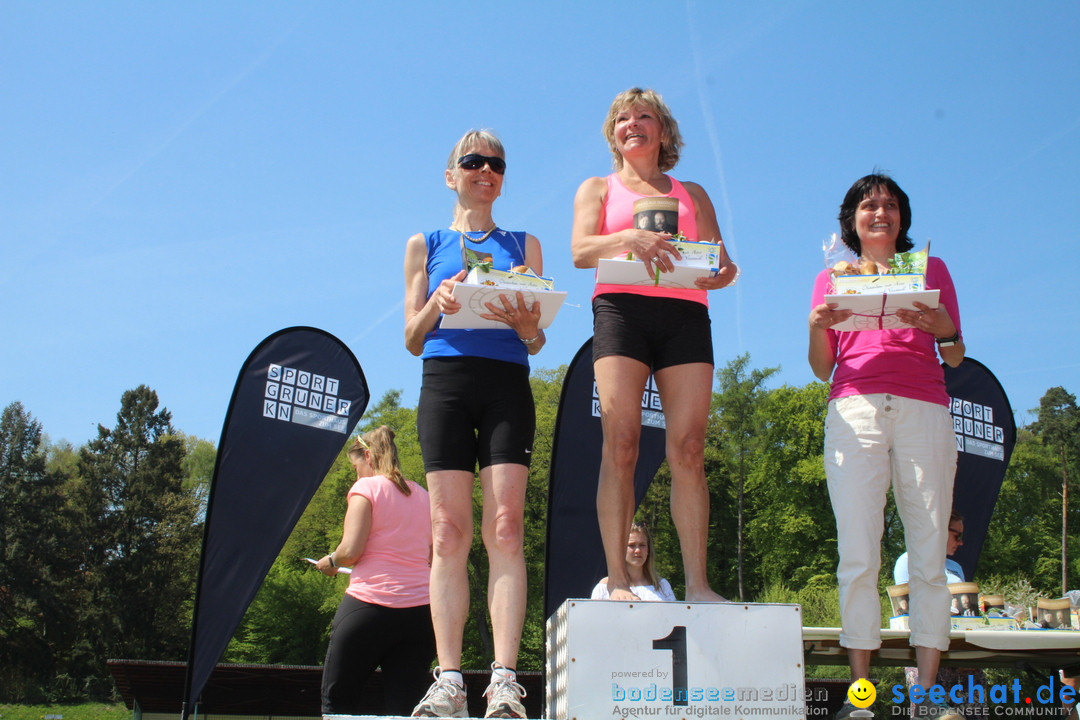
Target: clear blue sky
x: 178, y: 180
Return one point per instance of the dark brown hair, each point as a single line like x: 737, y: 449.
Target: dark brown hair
x: 862, y: 189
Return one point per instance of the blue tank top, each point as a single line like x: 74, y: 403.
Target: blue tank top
x: 445, y: 259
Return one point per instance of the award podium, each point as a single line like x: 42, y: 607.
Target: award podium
x: 674, y: 660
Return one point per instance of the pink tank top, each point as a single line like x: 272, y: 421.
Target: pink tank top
x: 619, y: 215
x: 394, y: 569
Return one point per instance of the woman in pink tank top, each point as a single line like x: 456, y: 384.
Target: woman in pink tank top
x: 384, y: 620
x: 640, y: 330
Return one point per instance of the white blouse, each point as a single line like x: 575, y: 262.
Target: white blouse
x: 648, y: 593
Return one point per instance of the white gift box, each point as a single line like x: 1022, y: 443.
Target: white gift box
x: 511, y: 280
x: 877, y: 284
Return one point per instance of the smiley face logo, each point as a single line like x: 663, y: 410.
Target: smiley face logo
x: 862, y: 693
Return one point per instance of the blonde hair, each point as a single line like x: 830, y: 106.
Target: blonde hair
x: 470, y: 140
x: 384, y: 455
x: 671, y: 140
x: 649, y: 568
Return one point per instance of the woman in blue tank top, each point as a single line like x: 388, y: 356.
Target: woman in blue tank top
x: 476, y: 408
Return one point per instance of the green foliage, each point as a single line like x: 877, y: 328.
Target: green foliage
x: 83, y: 711
x: 791, y: 531
x: 99, y: 544
x: 200, y: 457
x: 288, y: 622
x: 820, y: 605
x: 821, y: 608
x: 33, y: 539
x: 734, y: 436
x: 1058, y: 427
x: 1024, y: 536
x: 1016, y: 588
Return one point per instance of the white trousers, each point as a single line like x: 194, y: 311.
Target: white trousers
x: 872, y: 442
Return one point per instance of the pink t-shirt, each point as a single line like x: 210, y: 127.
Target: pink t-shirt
x: 619, y: 215
x: 394, y: 569
x: 901, y: 362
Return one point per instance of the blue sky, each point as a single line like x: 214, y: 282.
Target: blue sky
x: 179, y: 180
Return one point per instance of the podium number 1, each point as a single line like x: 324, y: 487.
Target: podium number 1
x: 676, y: 643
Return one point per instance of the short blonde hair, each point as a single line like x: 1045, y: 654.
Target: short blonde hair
x: 470, y: 140
x: 670, y: 143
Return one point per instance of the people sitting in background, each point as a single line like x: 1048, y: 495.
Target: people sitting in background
x: 644, y: 582
x: 1067, y: 704
x: 954, y: 572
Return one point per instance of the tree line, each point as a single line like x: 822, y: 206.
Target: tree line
x: 99, y: 544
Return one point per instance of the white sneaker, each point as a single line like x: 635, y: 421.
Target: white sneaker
x: 444, y: 699
x: 504, y: 698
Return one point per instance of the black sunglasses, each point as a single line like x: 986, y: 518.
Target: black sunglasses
x: 473, y: 161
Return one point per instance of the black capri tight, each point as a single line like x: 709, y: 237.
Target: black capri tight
x: 366, y: 636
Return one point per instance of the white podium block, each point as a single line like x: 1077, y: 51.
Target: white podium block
x: 676, y: 661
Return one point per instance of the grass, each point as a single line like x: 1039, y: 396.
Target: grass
x: 82, y: 711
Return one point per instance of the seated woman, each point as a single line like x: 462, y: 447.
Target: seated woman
x: 954, y: 573
x: 644, y: 582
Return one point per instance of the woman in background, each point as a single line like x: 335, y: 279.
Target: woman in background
x: 644, y: 582
x: 384, y: 619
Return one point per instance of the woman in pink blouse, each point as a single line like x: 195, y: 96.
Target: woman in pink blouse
x: 385, y: 618
x: 888, y: 425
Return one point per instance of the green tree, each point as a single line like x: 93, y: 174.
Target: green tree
x: 547, y: 391
x: 140, y: 536
x: 733, y: 433
x: 200, y: 458
x: 289, y: 620
x: 1058, y: 427
x: 33, y: 604
x: 1023, y: 537
x: 792, y: 532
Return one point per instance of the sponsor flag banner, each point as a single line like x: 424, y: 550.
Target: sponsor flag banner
x: 985, y: 435
x: 296, y: 401
x: 575, y: 553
